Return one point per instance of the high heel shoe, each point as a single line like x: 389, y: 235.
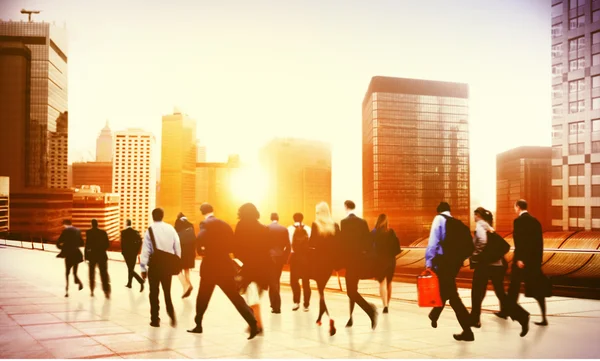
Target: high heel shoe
x: 332, y: 329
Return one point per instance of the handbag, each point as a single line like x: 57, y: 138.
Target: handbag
x: 428, y: 289
x: 168, y: 263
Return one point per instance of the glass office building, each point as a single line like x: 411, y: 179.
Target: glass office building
x: 415, y: 153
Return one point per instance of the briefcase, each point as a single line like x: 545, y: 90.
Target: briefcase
x: 428, y: 289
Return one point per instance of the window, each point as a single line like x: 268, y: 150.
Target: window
x: 557, y: 192
x: 596, y: 146
x: 577, y: 44
x: 576, y: 148
x: 595, y: 15
x: 577, y: 191
x: 576, y: 128
x: 596, y: 103
x: 595, y: 168
x: 556, y: 30
x: 576, y: 106
x: 596, y: 38
x: 596, y: 191
x: 557, y: 172
x: 557, y: 131
x: 596, y: 59
x: 576, y: 212
x: 574, y: 4
x: 577, y: 22
x: 556, y: 152
x: 557, y: 51
x: 577, y: 64
x: 576, y: 170
x: 596, y: 81
x: 595, y: 212
x: 557, y: 10
x: 576, y: 85
x: 557, y: 91
x: 557, y: 212
x: 557, y: 68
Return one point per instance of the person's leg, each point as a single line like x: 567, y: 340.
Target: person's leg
x: 478, y: 290
x: 229, y: 288
x: 67, y: 271
x: 514, y: 310
x: 352, y: 291
x: 187, y: 277
x: 541, y: 300
x: 165, y: 281
x: 205, y: 291
x: 104, y: 277
x: 92, y: 275
x: 130, y: 262
x: 497, y: 277
x: 295, y: 280
x: 383, y: 292
x: 306, y: 291
x: 77, y: 280
x: 389, y: 291
x: 154, y: 280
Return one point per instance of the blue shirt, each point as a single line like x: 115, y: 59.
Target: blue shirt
x: 437, y: 234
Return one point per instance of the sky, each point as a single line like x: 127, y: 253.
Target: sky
x: 248, y: 71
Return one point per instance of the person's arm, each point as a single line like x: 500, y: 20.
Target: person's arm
x: 433, y: 247
x: 480, y: 239
x: 147, y: 250
x: 395, y: 243
x: 106, y: 241
x: 285, y: 239
x: 201, y: 238
x: 517, y: 234
x: 61, y: 240
x: 176, y: 243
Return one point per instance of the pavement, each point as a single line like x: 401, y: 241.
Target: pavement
x: 37, y: 321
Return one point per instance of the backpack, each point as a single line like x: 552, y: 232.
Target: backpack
x: 494, y: 250
x: 300, y: 240
x: 458, y: 243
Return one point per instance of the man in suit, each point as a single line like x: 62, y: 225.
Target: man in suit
x: 299, y: 261
x: 215, y: 242
x: 69, y: 242
x: 356, y: 241
x: 131, y: 244
x: 96, y: 245
x: 279, y: 239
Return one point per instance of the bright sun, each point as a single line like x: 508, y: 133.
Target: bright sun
x: 248, y: 185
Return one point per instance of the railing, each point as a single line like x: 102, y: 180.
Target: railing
x: 546, y: 250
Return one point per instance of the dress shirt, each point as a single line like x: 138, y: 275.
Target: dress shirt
x: 166, y: 239
x: 291, y: 230
x: 437, y: 234
x: 521, y: 213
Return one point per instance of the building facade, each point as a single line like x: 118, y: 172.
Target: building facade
x: 415, y: 153
x: 91, y: 203
x: 104, y: 145
x: 45, y: 156
x: 134, y: 176
x: 299, y: 178
x: 576, y: 114
x: 524, y: 173
x: 212, y: 186
x: 93, y: 173
x: 178, y: 166
x: 4, y: 205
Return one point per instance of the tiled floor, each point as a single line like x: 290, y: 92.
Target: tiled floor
x: 36, y: 321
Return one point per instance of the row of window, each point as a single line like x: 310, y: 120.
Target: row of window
x: 575, y: 191
x: 576, y: 106
x: 574, y: 212
x: 575, y: 170
x: 575, y: 128
x: 574, y: 23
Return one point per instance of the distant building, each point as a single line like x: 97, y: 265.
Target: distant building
x: 97, y: 173
x: 58, y: 152
x: 134, y: 176
x: 415, y: 152
x: 524, y: 173
x: 201, y: 155
x: 4, y: 205
x: 178, y: 166
x: 212, y: 186
x: 90, y: 203
x: 299, y: 177
x: 104, y: 145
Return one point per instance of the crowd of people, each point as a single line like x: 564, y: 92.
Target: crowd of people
x: 249, y: 260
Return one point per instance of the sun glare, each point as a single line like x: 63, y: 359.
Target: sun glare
x: 248, y: 185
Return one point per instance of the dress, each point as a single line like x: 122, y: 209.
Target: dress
x: 324, y: 252
x: 387, y: 247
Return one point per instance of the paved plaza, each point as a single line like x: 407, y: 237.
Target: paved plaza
x: 37, y: 321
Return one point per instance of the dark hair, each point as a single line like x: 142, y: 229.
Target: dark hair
x: 128, y: 222
x: 350, y: 205
x: 298, y: 217
x: 206, y: 208
x: 67, y: 222
x: 485, y: 215
x: 443, y: 207
x: 382, y: 222
x: 158, y: 214
x: 274, y: 216
x: 180, y: 215
x: 94, y: 223
x: 521, y: 203
x: 248, y: 211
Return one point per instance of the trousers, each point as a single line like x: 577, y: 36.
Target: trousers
x: 158, y: 278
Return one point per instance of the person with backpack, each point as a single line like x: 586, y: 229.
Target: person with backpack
x: 131, y: 244
x: 487, y: 262
x: 450, y: 243
x: 387, y: 247
x: 299, y: 266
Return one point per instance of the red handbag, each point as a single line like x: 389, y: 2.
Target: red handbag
x: 428, y: 289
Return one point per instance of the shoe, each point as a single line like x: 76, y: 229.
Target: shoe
x: 543, y: 323
x: 173, y: 322
x: 306, y: 309
x: 433, y: 322
x: 128, y: 286
x: 155, y: 324
x: 332, y: 329
x: 107, y: 294
x: 253, y: 332
x: 464, y: 336
x: 277, y: 312
x: 141, y: 287
x: 296, y: 307
x: 350, y: 323
x: 92, y: 294
x: 385, y: 310
x: 80, y: 286
x: 197, y: 329
x: 188, y: 292
x: 476, y: 324
x: 501, y: 315
x: 524, y: 327
x: 67, y: 294
x: 374, y: 317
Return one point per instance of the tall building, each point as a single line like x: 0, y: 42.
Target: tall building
x: 91, y: 203
x: 299, y: 177
x: 134, y: 176
x: 34, y: 80
x: 576, y: 114
x: 213, y: 186
x: 104, y: 145
x: 415, y: 152
x: 524, y: 173
x: 93, y: 173
x: 178, y: 166
x: 201, y: 155
x: 4, y: 205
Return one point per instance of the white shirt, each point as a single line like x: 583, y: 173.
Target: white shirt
x: 291, y: 230
x: 521, y: 213
x: 166, y: 239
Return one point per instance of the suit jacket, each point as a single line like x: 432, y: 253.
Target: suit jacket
x: 129, y: 237
x: 356, y: 237
x: 529, y: 242
x: 215, y: 243
x: 279, y: 241
x: 69, y: 242
x: 96, y: 244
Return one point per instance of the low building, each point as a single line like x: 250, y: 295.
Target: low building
x: 89, y: 203
x: 98, y: 173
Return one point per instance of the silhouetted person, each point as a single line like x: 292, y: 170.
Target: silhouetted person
x: 356, y: 241
x: 69, y: 242
x: 131, y: 244
x: 299, y: 237
x: 166, y: 240
x: 279, y: 243
x: 446, y: 266
x: 187, y: 237
x: 215, y: 242
x: 387, y: 247
x: 482, y: 272
x: 96, y: 245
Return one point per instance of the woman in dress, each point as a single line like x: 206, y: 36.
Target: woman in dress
x: 187, y: 237
x: 387, y: 247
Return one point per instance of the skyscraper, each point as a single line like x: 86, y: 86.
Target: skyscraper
x: 178, y: 166
x: 576, y: 114
x: 201, y: 155
x: 213, y: 186
x: 134, y: 176
x: 93, y: 173
x: 299, y: 177
x: 415, y: 152
x: 524, y: 173
x: 36, y: 55
x: 104, y: 145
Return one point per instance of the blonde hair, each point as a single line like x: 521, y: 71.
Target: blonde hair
x: 323, y: 219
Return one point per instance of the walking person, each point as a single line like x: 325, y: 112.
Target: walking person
x: 356, y: 241
x: 131, y: 244
x: 387, y: 247
x: 280, y: 246
x: 299, y: 266
x: 484, y: 270
x: 215, y: 241
x: 450, y: 243
x: 69, y: 242
x: 187, y: 237
x: 160, y: 236
x: 251, y: 247
x: 96, y: 245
